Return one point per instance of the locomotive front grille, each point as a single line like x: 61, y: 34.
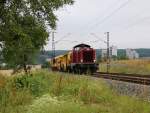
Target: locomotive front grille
x: 88, y: 56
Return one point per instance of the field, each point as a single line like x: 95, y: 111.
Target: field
x: 128, y: 66
x: 6, y: 72
x: 47, y: 92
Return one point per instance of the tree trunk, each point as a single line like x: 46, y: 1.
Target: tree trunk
x: 25, y: 68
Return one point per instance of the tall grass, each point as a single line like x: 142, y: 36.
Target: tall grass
x: 18, y: 91
x: 46, y: 92
x: 128, y: 66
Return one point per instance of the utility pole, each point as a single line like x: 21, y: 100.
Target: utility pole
x: 108, y: 48
x: 55, y: 42
x: 108, y: 53
x: 53, y: 46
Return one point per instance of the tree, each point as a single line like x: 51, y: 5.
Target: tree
x: 23, y: 28
x: 27, y: 38
x: 43, y: 10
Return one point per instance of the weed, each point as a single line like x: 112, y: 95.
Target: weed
x: 47, y: 92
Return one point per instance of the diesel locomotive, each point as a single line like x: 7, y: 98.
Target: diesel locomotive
x: 81, y: 59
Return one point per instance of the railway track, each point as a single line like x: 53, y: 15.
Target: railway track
x: 132, y: 78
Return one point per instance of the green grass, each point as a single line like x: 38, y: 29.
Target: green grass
x: 128, y: 66
x: 47, y: 92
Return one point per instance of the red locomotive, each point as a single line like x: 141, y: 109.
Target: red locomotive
x: 81, y: 59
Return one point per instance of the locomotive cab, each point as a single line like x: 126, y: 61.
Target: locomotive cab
x: 84, y: 59
x: 83, y: 54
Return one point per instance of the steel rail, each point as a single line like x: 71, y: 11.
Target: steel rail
x: 122, y: 74
x: 132, y: 78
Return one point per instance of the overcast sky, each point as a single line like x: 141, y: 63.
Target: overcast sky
x: 128, y: 22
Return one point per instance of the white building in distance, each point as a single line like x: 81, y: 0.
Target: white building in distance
x: 112, y: 52
x: 104, y: 53
x: 131, y: 54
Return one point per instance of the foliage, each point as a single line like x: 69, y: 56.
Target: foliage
x: 46, y: 64
x: 58, y: 92
x: 43, y: 10
x: 19, y: 91
x: 23, y: 40
x: 23, y: 28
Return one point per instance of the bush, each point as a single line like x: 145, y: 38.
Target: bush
x: 21, y: 90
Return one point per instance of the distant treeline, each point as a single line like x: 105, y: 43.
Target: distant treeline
x: 42, y: 56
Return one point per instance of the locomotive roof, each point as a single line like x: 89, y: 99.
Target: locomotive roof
x: 82, y: 45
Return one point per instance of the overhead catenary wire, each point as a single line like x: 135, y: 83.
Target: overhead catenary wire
x: 111, y: 14
x: 106, y: 17
x: 65, y: 36
x: 99, y: 39
x: 133, y: 24
x: 71, y: 41
x: 108, y: 8
x: 137, y: 22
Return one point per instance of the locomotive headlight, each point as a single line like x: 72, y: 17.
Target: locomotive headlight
x: 81, y: 60
x: 94, y: 60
